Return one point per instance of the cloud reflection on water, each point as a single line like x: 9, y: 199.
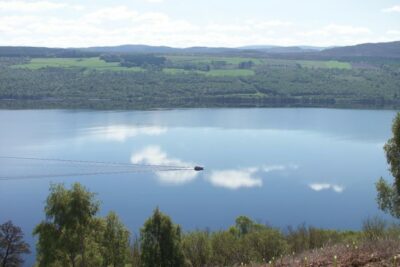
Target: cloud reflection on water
x: 229, y: 178
x: 325, y: 186
x: 235, y: 179
x: 155, y: 156
x: 246, y: 177
x: 121, y: 133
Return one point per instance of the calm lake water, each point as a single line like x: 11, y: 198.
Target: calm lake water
x: 281, y: 166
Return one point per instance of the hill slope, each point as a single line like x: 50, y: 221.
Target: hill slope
x: 378, y: 50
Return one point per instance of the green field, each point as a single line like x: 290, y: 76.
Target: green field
x: 220, y: 72
x: 324, y: 64
x: 231, y: 69
x: 209, y: 60
x: 229, y: 72
x: 174, y: 71
x: 88, y: 63
x: 98, y: 64
x: 331, y: 64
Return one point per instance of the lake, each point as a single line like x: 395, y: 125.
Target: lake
x: 278, y: 166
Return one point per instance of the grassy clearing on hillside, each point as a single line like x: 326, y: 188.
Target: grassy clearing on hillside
x: 328, y: 64
x: 208, y: 59
x: 233, y: 72
x: 333, y: 64
x: 89, y: 63
x: 178, y: 71
x: 221, y: 72
x: 97, y: 64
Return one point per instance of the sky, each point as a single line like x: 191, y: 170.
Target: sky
x: 186, y: 23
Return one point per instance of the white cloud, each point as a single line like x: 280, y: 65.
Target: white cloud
x: 235, y: 179
x: 325, y: 186
x: 347, y: 30
x: 115, y: 13
x: 121, y: 24
x: 337, y: 34
x: 35, y: 6
x: 392, y: 9
x: 155, y: 156
x: 393, y: 32
x: 335, y: 29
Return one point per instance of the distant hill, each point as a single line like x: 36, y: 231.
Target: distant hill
x: 26, y: 51
x: 372, y: 50
x: 377, y: 50
x: 132, y: 49
x: 200, y: 49
x: 155, y: 49
x: 282, y: 49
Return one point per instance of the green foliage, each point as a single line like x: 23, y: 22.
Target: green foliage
x: 246, y: 225
x: 68, y: 235
x: 161, y: 242
x: 247, y: 242
x: 217, y: 60
x: 225, y: 249
x: 331, y: 64
x: 195, y: 81
x: 12, y: 245
x: 115, y: 242
x: 72, y: 236
x: 265, y: 244
x: 305, y: 238
x: 230, y: 72
x: 135, y: 253
x: 94, y: 63
x: 142, y: 60
x: 389, y: 195
x: 197, y: 248
x: 374, y: 228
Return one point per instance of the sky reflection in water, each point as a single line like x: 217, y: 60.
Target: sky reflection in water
x: 282, y: 166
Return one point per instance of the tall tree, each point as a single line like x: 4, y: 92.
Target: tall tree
x: 389, y: 194
x: 67, y: 237
x: 12, y: 245
x: 161, y: 242
x: 197, y: 248
x: 115, y: 242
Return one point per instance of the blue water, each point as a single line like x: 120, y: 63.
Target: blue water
x: 278, y: 166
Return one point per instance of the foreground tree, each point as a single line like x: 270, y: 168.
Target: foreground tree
x: 389, y: 194
x: 197, y: 248
x: 115, y: 242
x: 161, y: 242
x: 68, y: 235
x: 12, y: 245
x: 226, y: 249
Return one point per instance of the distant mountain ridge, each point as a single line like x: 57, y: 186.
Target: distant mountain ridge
x: 381, y: 50
x: 157, y: 49
x: 201, y: 49
x: 282, y: 49
x: 373, y: 50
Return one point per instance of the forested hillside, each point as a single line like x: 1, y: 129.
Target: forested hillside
x: 72, y: 78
